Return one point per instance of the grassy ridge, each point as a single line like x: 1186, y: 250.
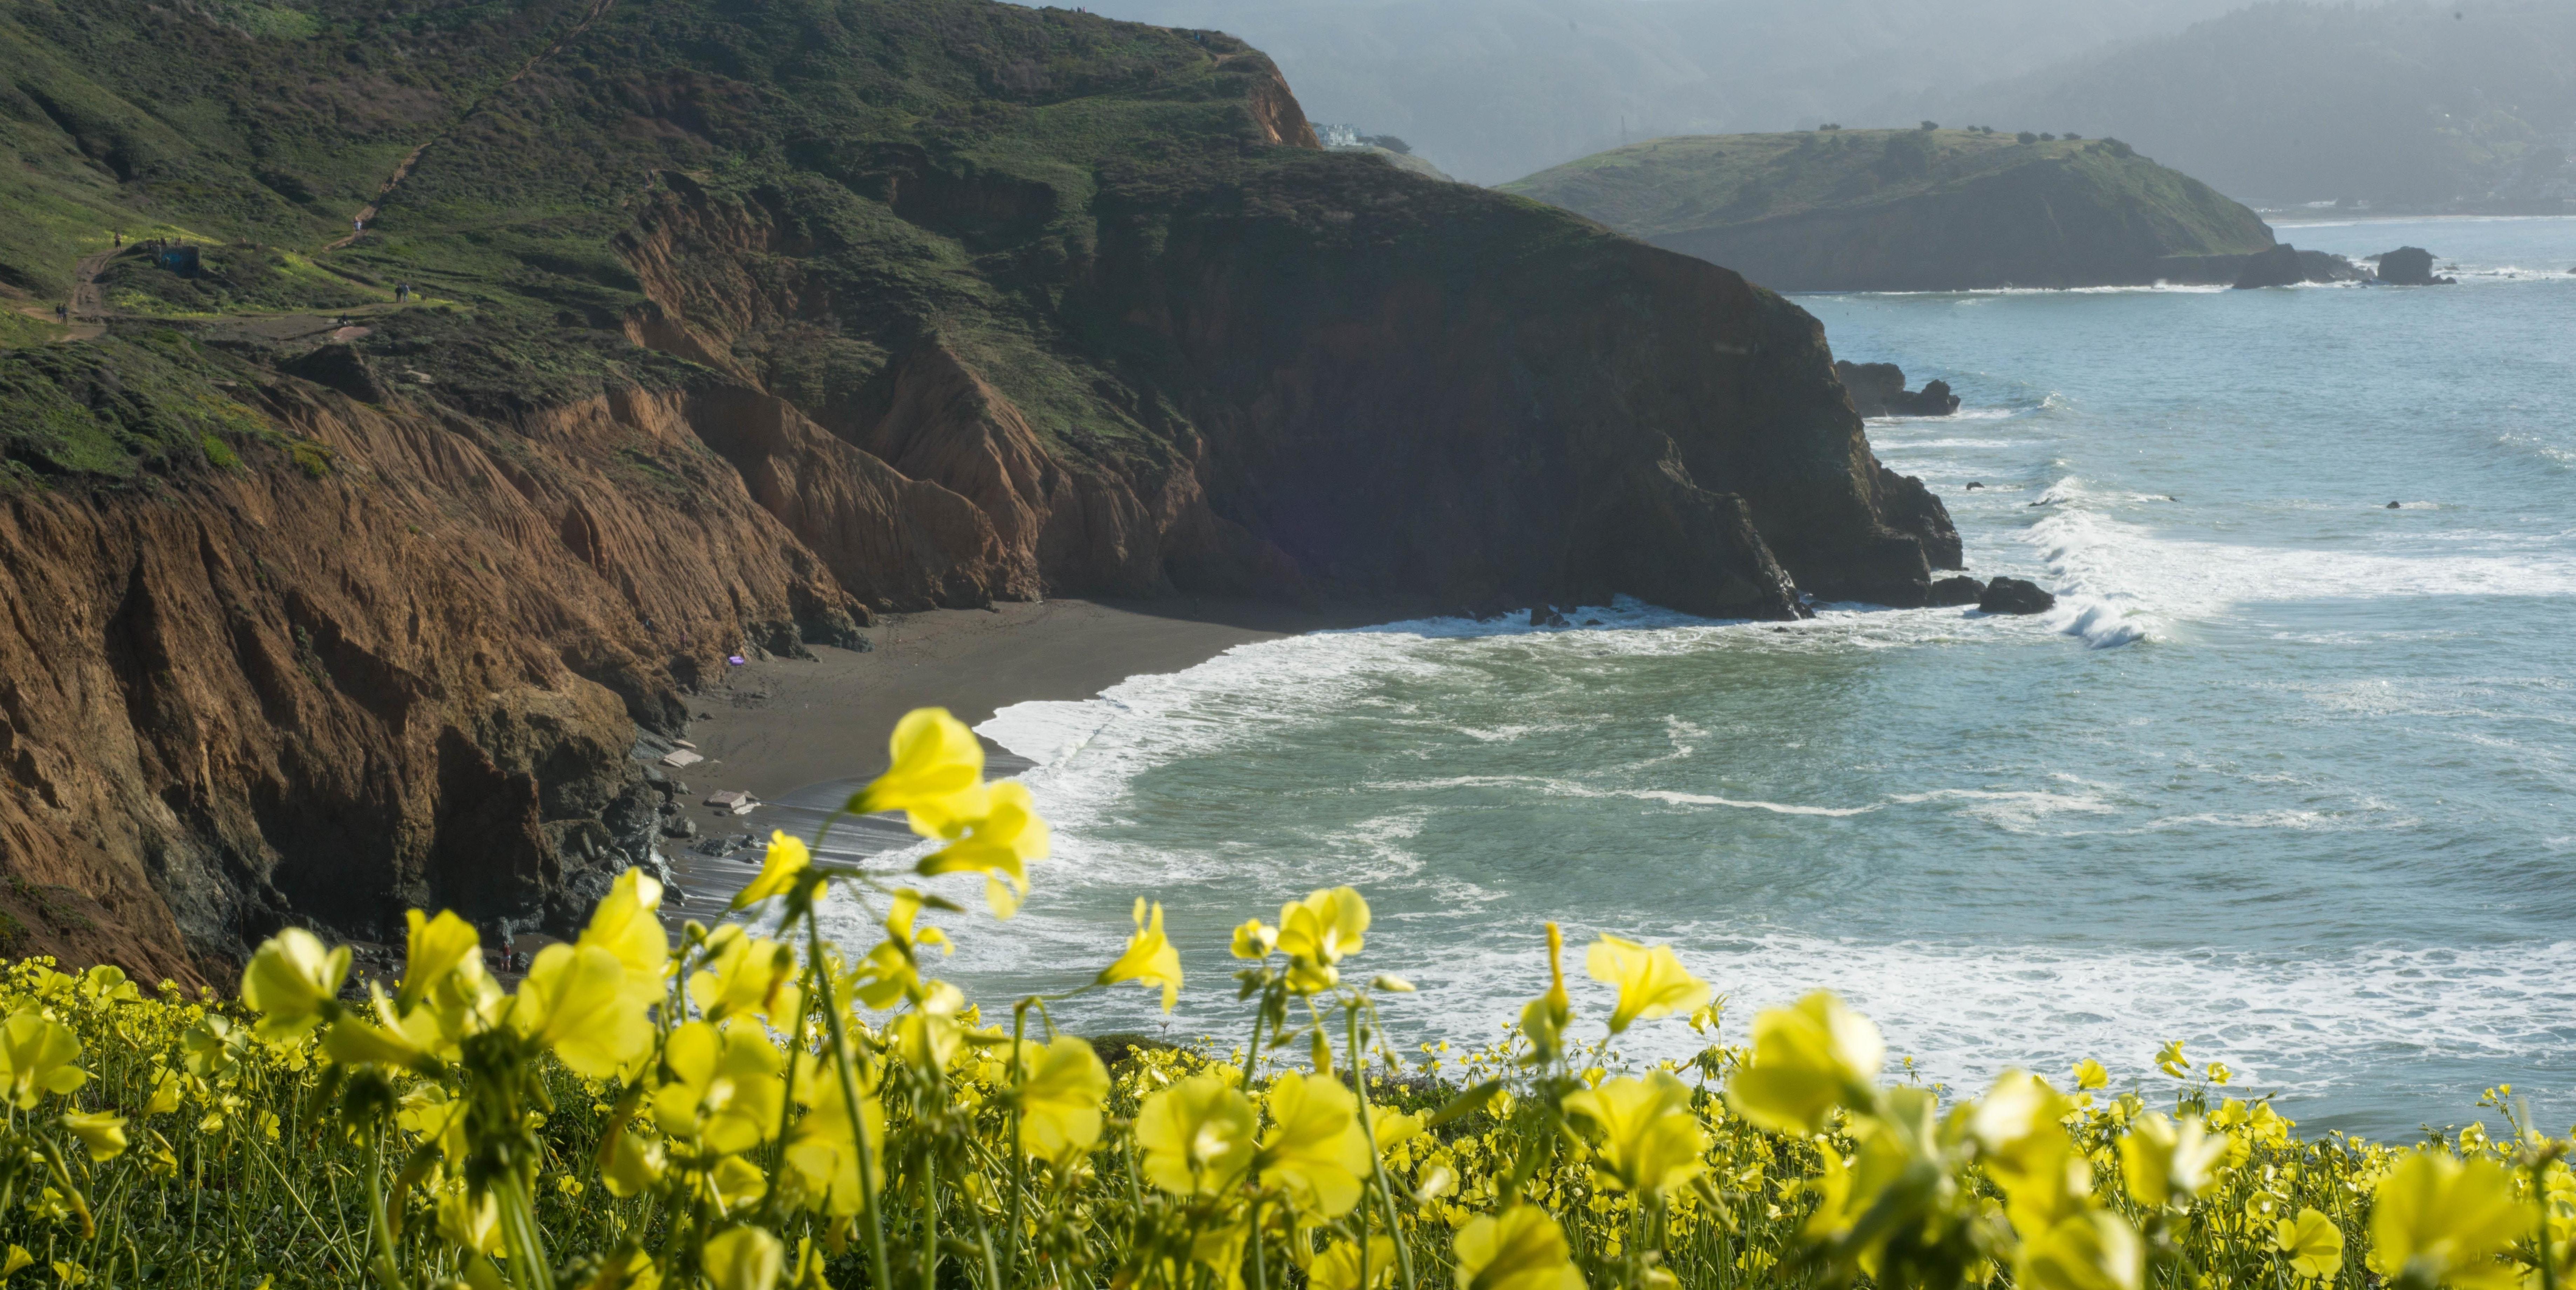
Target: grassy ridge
x: 1879, y: 209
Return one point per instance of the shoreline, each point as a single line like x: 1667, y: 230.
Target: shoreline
x: 799, y: 734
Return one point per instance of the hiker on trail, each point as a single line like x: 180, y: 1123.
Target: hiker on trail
x: 120, y: 239
x: 402, y: 292
x: 357, y: 226
x: 64, y: 312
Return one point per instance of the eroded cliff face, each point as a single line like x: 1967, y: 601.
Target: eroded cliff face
x: 312, y: 622
x: 258, y: 698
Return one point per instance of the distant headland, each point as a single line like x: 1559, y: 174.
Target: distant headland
x: 1914, y: 210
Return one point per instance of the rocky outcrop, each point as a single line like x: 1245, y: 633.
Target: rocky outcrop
x: 2409, y: 266
x: 310, y: 623
x: 1878, y: 390
x: 2287, y: 266
x: 2015, y: 596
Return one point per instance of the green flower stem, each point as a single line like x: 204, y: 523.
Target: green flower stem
x: 841, y: 1058
x: 528, y: 1266
x: 1377, y: 1164
x: 1019, y: 1155
x: 388, y: 1264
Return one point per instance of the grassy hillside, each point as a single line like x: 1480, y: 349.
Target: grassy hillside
x: 1898, y: 209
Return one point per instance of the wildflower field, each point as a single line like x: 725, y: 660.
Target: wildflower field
x: 753, y: 1107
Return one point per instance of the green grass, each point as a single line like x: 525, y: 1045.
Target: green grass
x: 1665, y: 187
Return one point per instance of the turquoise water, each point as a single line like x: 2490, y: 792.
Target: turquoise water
x: 2287, y: 776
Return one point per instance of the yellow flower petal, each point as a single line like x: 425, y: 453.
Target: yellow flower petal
x: 1652, y: 982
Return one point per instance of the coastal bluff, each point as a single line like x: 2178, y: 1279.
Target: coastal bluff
x: 541, y: 362
x: 1913, y: 210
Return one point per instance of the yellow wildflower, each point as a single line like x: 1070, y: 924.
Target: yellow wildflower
x: 2314, y: 1244
x: 1806, y: 1060
x: 1197, y: 1137
x: 926, y: 1037
x: 2169, y: 1059
x: 822, y: 1150
x: 937, y: 771
x: 725, y: 1091
x: 165, y: 1094
x: 1652, y: 982
x: 101, y: 1133
x: 2089, y: 1074
x: 748, y: 974
x: 1519, y: 1249
x: 743, y: 1258
x: 629, y: 1165
x: 1338, y: 1267
x: 1648, y: 1140
x: 2164, y: 1161
x: 785, y: 863
x: 433, y: 949
x: 36, y: 1056
x: 291, y: 981
x: 1062, y: 1086
x: 1320, y: 931
x: 892, y: 971
x: 469, y: 1220
x: 578, y: 1000
x: 2439, y: 1220
x: 628, y: 924
x: 1255, y: 939
x: 998, y: 842
x: 18, y: 1258
x: 1315, y: 1150
x: 2094, y: 1250
x: 735, y: 1183
x: 1150, y: 958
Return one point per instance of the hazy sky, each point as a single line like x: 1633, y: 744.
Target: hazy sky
x: 1491, y: 90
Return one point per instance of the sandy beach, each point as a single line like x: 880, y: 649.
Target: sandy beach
x: 797, y: 734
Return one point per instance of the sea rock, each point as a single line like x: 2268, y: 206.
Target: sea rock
x: 2288, y: 266
x: 2015, y: 596
x: 2278, y: 267
x: 1958, y: 590
x: 1546, y: 616
x: 1878, y: 390
x: 2409, y: 266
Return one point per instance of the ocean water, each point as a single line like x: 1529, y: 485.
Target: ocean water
x: 2289, y: 775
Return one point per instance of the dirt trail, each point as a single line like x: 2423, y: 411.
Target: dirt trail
x: 402, y: 170
x: 89, y: 308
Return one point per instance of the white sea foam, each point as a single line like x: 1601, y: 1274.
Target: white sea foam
x: 2119, y: 581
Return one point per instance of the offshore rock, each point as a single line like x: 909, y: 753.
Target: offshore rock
x: 2015, y: 596
x: 2287, y: 266
x: 1956, y: 590
x: 1878, y: 390
x: 2409, y: 266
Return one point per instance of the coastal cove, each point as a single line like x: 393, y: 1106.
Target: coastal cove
x: 2284, y: 777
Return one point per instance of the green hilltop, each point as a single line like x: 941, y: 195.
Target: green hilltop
x: 1889, y: 210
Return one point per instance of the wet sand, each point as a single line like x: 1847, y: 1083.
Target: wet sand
x: 800, y: 734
